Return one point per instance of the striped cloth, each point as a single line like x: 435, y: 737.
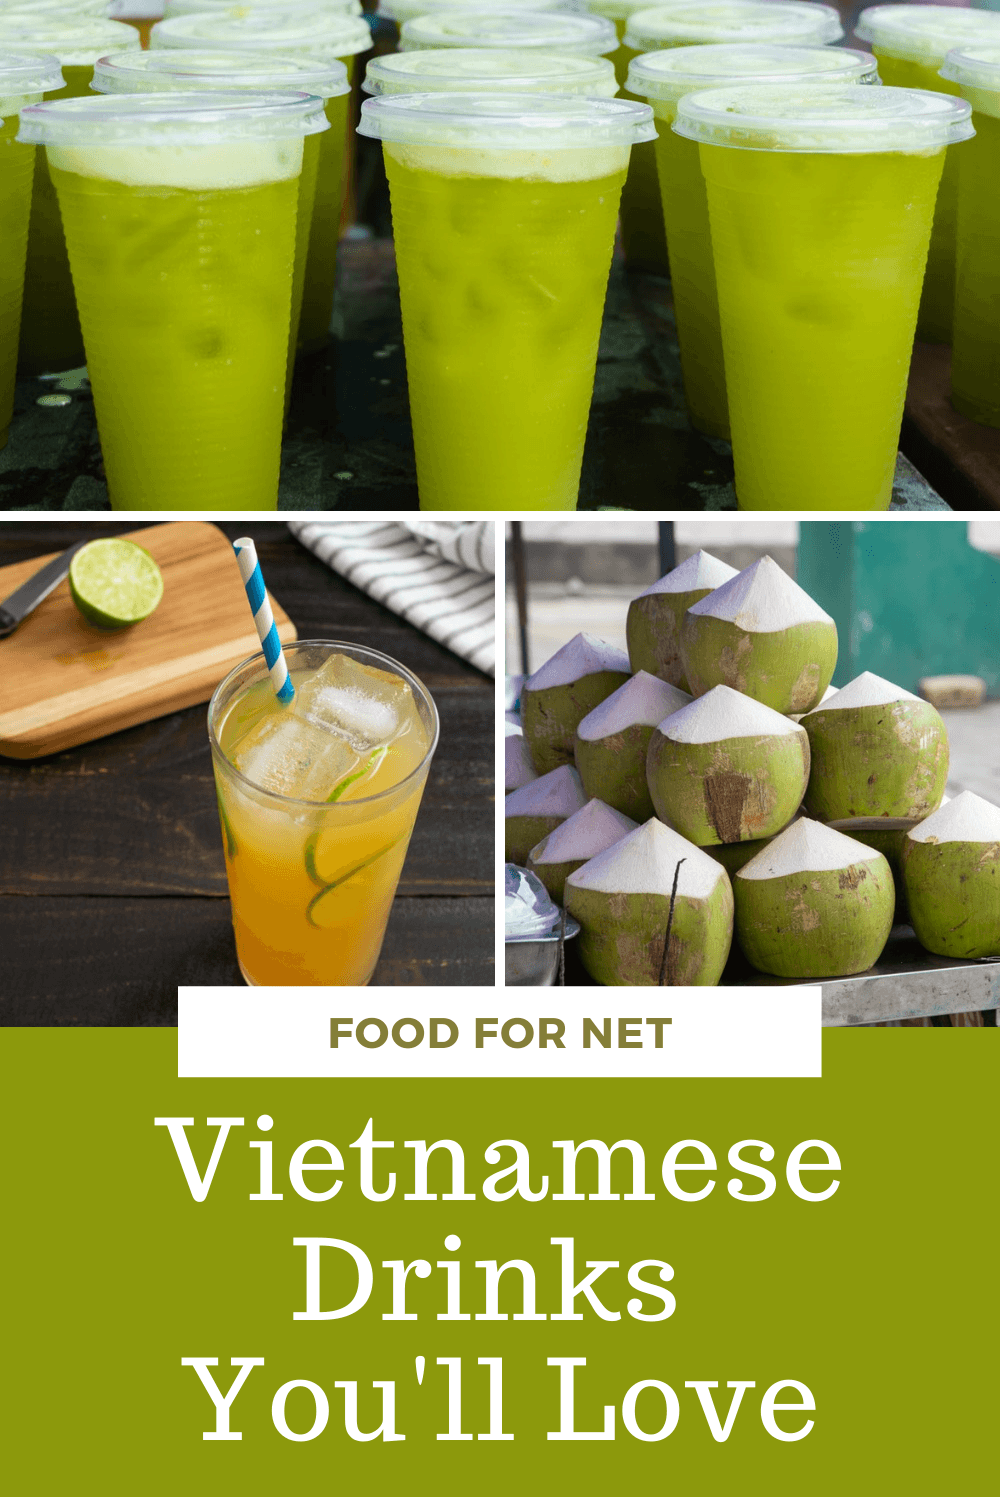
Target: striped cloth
x: 437, y: 574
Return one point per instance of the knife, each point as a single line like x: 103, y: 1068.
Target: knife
x: 38, y: 587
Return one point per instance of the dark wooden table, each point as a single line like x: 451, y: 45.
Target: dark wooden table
x: 112, y: 882
x: 348, y: 444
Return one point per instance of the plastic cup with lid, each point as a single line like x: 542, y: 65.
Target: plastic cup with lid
x: 503, y: 209
x: 248, y: 7
x: 406, y: 10
x: 179, y: 215
x: 820, y: 202
x: 586, y: 36
x: 975, y: 359
x: 24, y: 79
x: 663, y: 78
x: 189, y: 72
x: 50, y: 337
x: 910, y: 42
x: 680, y: 24
x: 304, y: 34
x: 480, y: 69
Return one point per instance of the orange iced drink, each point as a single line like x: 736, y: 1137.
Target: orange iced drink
x: 317, y: 802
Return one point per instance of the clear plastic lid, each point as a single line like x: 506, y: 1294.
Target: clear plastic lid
x: 246, y: 7
x: 137, y: 120
x: 405, y: 10
x: 154, y: 72
x: 539, y: 122
x: 924, y: 33
x: 24, y: 74
x: 975, y: 69
x: 590, y: 35
x: 677, y: 71
x: 471, y: 69
x: 75, y: 40
x: 312, y: 31
x: 788, y: 22
x: 849, y: 120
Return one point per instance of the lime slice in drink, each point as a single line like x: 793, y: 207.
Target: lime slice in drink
x: 114, y: 583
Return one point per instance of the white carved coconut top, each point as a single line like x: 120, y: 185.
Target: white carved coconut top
x: 512, y: 724
x: 580, y: 657
x: 557, y: 794
x: 762, y: 598
x: 644, y: 699
x: 866, y: 691
x: 700, y: 571
x: 967, y: 820
x: 805, y: 846
x: 588, y: 832
x: 518, y: 769
x: 724, y: 714
x: 643, y: 863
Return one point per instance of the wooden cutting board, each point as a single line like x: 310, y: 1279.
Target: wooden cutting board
x: 63, y: 681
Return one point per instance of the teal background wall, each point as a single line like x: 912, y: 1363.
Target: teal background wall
x: 911, y: 599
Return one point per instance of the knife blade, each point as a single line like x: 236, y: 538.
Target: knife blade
x: 38, y: 587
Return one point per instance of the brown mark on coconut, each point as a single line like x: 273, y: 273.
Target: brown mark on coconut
x: 621, y: 899
x: 726, y: 769
x: 762, y: 635
x: 814, y: 904
x: 951, y: 872
x: 877, y: 751
x: 610, y: 744
x: 554, y: 699
x: 538, y: 807
x: 655, y: 616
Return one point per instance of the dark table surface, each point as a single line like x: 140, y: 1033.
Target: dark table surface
x: 112, y: 881
x: 348, y: 444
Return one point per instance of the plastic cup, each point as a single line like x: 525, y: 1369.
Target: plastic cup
x: 587, y: 36
x: 187, y: 72
x: 312, y: 883
x: 663, y: 78
x: 308, y: 34
x: 481, y: 69
x: 975, y: 355
x: 820, y: 205
x: 50, y: 327
x: 504, y: 210
x: 23, y: 80
x: 179, y: 213
x: 910, y: 42
x: 687, y: 23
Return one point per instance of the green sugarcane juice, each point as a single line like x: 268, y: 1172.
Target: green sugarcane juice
x: 815, y: 233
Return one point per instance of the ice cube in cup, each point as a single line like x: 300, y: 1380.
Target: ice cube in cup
x: 368, y: 707
x: 286, y: 754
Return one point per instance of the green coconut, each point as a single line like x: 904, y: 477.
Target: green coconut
x: 518, y: 770
x: 887, y: 835
x: 951, y: 871
x: 588, y: 832
x: 814, y: 904
x: 536, y: 808
x: 621, y: 899
x: 732, y: 857
x: 611, y: 743
x: 555, y: 698
x: 653, y: 626
x: 727, y: 768
x: 877, y: 752
x: 762, y: 635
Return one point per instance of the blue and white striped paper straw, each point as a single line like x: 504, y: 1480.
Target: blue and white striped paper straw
x: 253, y: 582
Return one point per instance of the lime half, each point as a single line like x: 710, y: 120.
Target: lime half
x: 114, y: 583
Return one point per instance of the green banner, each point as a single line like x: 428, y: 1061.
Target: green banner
x: 712, y: 1318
